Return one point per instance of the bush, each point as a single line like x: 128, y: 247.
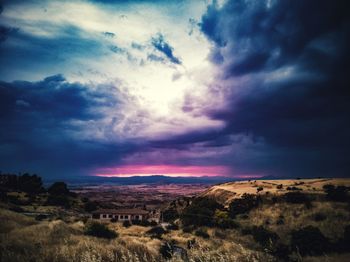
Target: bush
x: 279, y: 186
x: 309, y: 241
x: 200, y: 212
x: 170, y: 214
x: 172, y: 227
x: 202, y: 233
x: 222, y: 220
x: 100, y: 230
x: 293, y: 188
x: 187, y: 229
x: 156, y: 231
x: 166, y: 250
x: 339, y: 193
x: 260, y: 188
x: 126, y: 223
x: 264, y: 237
x: 60, y: 200
x: 243, y: 205
x: 296, y: 198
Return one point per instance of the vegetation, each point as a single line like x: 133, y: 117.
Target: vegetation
x: 257, y: 227
x: 200, y: 212
x: 243, y: 205
x: 337, y: 193
x: 100, y: 230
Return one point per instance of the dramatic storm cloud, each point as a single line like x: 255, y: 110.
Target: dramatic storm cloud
x: 233, y: 88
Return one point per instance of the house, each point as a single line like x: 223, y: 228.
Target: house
x: 121, y: 214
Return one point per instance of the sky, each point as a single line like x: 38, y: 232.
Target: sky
x: 237, y: 88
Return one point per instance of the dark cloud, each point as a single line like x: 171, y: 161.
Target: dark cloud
x: 45, y: 54
x: 295, y: 55
x: 159, y: 43
x: 38, y: 123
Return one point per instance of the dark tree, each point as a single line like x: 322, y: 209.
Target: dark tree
x: 58, y: 189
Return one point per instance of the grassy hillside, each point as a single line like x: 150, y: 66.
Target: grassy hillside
x: 268, y: 220
x: 225, y: 193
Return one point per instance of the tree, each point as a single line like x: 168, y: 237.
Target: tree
x: 58, y: 189
x: 200, y: 212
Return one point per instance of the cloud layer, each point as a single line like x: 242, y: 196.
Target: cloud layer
x: 250, y: 87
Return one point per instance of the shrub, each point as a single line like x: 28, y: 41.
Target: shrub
x: 170, y: 214
x: 339, y: 193
x: 279, y: 186
x: 156, y: 231
x: 172, y: 227
x: 187, y: 229
x: 309, y: 241
x: 222, y: 220
x: 166, y: 250
x: 293, y: 188
x: 296, y: 198
x: 100, y: 230
x: 263, y: 236
x: 58, y: 200
x: 260, y: 188
x: 243, y: 205
x: 126, y: 223
x: 200, y: 212
x: 201, y: 233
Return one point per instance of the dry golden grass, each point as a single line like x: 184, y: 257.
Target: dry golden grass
x: 225, y: 193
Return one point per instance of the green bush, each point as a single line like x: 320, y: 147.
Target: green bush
x: 222, y: 220
x: 100, y: 230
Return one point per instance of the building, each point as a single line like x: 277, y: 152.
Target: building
x: 121, y: 214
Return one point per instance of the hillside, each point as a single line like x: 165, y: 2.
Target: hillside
x: 263, y: 220
x: 225, y: 193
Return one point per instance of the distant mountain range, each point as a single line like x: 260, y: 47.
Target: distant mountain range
x: 136, y: 180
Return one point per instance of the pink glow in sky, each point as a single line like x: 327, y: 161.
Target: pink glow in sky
x: 166, y: 170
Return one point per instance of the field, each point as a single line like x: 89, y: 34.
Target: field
x: 263, y: 231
